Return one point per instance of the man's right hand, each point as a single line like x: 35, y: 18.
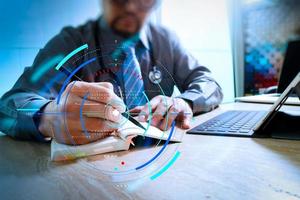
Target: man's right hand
x: 92, y: 99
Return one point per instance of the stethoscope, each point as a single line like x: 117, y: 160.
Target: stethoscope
x: 155, y: 75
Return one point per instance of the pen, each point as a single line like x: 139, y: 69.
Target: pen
x: 127, y: 115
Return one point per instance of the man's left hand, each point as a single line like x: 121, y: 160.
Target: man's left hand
x: 165, y: 110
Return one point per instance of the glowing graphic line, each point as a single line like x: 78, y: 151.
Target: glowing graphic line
x: 45, y: 67
x: 161, y: 150
x: 150, y: 114
x: 54, y: 80
x: 51, y: 113
x: 65, y: 117
x: 85, y: 46
x: 81, y: 115
x: 166, y: 103
x: 166, y: 167
x: 28, y: 109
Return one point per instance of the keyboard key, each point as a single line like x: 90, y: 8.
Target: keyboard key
x: 244, y: 131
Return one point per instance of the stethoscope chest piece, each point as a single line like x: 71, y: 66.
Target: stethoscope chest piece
x: 155, y: 75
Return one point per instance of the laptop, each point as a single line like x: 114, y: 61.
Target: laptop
x: 290, y: 69
x: 245, y: 123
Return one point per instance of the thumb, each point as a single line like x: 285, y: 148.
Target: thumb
x: 186, y: 122
x: 149, y: 108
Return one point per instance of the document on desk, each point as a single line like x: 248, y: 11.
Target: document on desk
x: 268, y: 98
x: 119, y: 141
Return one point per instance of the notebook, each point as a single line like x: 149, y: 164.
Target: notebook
x: 119, y: 141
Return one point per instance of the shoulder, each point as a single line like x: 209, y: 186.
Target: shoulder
x: 166, y: 41
x: 80, y: 34
x: 71, y: 37
x: 162, y: 33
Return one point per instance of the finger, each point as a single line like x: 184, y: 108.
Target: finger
x: 92, y: 109
x: 169, y: 119
x: 186, y: 114
x: 145, y: 112
x: 136, y: 111
x: 99, y: 92
x: 91, y: 129
x: 59, y: 129
x: 186, y: 123
x: 98, y: 110
x: 83, y: 139
x: 83, y: 87
x: 117, y: 103
x: 94, y: 125
x: 160, y: 112
x: 184, y: 119
x: 106, y: 85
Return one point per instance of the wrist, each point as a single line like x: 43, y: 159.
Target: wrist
x: 44, y: 121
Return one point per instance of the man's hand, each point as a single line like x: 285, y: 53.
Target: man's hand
x: 96, y: 100
x: 164, y: 111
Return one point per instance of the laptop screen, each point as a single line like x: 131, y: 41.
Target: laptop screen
x: 291, y: 65
x: 277, y: 105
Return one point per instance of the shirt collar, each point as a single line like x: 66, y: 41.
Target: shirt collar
x: 143, y: 34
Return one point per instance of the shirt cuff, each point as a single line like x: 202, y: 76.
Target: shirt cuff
x: 197, y: 101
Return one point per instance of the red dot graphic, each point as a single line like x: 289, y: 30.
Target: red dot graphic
x: 122, y: 163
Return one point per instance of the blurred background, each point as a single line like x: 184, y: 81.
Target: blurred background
x: 242, y: 41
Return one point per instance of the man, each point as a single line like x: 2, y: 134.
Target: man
x: 57, y: 114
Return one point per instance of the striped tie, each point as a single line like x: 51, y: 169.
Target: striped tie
x: 133, y: 81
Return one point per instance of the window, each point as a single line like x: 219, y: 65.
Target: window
x: 203, y: 27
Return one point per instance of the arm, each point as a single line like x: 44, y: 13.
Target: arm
x: 32, y: 93
x: 199, y: 91
x: 194, y: 81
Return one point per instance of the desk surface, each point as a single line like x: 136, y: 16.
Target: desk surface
x: 209, y: 167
